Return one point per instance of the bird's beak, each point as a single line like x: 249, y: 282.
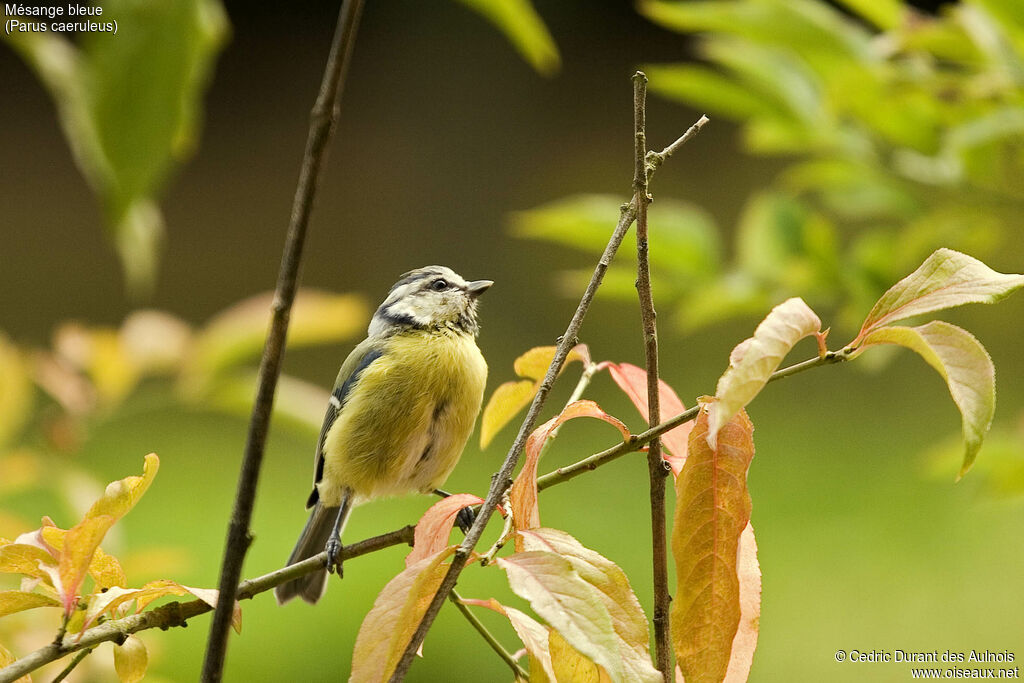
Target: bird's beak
x: 478, y: 287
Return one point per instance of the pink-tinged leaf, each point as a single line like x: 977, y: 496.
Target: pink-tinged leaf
x: 633, y: 381
x: 435, y: 526
x: 712, y: 510
x: 572, y: 665
x: 523, y: 494
x: 571, y: 605
x: 389, y: 625
x: 533, y: 634
x: 131, y: 660
x: 748, y: 572
x: 946, y: 279
x: 628, y: 619
x: 962, y: 362
x: 18, y: 601
x: 754, y: 360
x: 511, y: 397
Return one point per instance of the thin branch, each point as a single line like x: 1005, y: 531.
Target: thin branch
x: 177, y: 613
x: 502, y: 479
x: 638, y: 441
x: 75, y: 661
x: 517, y: 670
x: 321, y: 128
x: 655, y: 467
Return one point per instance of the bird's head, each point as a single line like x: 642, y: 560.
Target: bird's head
x: 434, y: 297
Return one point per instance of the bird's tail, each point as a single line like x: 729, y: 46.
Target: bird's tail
x: 310, y: 587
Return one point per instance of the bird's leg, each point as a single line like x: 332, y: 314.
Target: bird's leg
x: 466, y: 516
x: 334, y: 542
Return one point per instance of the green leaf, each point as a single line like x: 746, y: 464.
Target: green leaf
x: 130, y: 105
x: 946, y: 279
x: 705, y: 88
x: 131, y: 660
x: 628, y: 618
x: 712, y: 511
x: 17, y: 601
x: 524, y: 28
x: 754, y: 359
x: 962, y: 362
x: 571, y: 605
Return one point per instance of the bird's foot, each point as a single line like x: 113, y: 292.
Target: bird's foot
x: 334, y: 558
x: 465, y: 518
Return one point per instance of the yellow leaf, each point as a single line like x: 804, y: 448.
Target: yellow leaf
x: 21, y: 558
x: 533, y: 634
x: 754, y: 360
x: 963, y: 363
x: 131, y: 660
x: 511, y: 397
x: 559, y: 595
x: 122, y: 495
x: 17, y: 601
x: 505, y: 403
x: 106, y: 571
x: 712, y: 510
x: 389, y: 625
x: 571, y: 666
x: 628, y: 619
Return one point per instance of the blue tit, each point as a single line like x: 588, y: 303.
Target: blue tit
x: 402, y: 409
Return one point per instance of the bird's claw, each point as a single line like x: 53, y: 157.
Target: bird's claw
x: 334, y: 559
x: 465, y: 518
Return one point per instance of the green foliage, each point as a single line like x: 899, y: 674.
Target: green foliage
x: 129, y: 105
x: 900, y: 133
x: 524, y: 28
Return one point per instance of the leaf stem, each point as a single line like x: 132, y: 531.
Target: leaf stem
x: 638, y: 441
x: 75, y: 661
x: 517, y: 670
x: 321, y: 128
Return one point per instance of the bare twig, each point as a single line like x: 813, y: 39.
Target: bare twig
x: 655, y: 467
x: 517, y: 670
x: 176, y: 613
x: 75, y: 661
x: 321, y: 128
x: 502, y: 479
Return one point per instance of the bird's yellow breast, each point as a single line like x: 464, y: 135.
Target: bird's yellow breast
x: 404, y: 425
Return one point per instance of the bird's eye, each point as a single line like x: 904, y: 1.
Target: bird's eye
x: 439, y: 285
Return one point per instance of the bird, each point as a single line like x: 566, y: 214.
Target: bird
x: 403, y: 406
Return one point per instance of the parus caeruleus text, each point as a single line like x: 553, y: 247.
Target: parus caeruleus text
x: 403, y: 406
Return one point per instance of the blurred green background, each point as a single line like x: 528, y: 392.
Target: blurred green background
x: 865, y: 541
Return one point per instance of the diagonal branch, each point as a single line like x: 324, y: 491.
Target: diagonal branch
x: 321, y: 129
x: 502, y: 479
x: 655, y: 467
x: 176, y: 613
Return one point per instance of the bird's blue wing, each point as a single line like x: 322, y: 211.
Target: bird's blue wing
x: 359, y: 360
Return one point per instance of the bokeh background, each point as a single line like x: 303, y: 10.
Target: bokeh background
x: 865, y: 540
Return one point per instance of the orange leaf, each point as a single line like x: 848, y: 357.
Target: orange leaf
x: 523, y: 493
x: 391, y: 622
x: 80, y: 542
x: 633, y: 381
x: 712, y: 510
x: 435, y: 526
